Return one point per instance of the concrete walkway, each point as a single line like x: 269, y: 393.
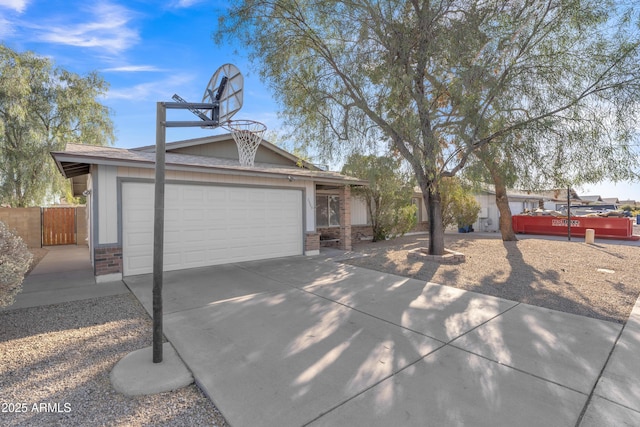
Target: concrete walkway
x: 307, y: 341
x: 64, y: 274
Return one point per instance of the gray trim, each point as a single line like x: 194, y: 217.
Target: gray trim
x: 95, y: 213
x: 318, y: 177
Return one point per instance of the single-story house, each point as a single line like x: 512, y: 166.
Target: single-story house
x: 556, y: 199
x: 629, y: 202
x: 591, y: 200
x: 519, y: 201
x: 216, y: 211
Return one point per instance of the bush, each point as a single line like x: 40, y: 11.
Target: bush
x: 396, y: 223
x: 459, y: 207
x: 388, y: 195
x: 15, y: 259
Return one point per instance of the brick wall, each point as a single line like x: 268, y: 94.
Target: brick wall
x: 108, y: 260
x: 26, y: 222
x: 311, y: 242
x: 361, y: 232
x: 329, y: 237
x: 365, y: 232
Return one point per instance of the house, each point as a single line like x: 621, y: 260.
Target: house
x: 519, y: 201
x: 488, y: 218
x: 611, y: 201
x: 556, y: 199
x: 216, y: 211
x: 629, y: 202
x: 591, y: 200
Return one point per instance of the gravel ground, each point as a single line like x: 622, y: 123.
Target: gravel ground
x: 599, y: 281
x: 55, y: 363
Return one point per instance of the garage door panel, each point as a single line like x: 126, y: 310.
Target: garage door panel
x: 209, y: 225
x: 171, y: 215
x: 137, y: 239
x: 193, y: 214
x: 140, y: 261
x: 170, y: 192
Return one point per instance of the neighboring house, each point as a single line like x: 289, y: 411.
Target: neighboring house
x: 519, y: 201
x: 557, y: 199
x: 591, y: 200
x: 629, y: 202
x: 611, y: 201
x: 216, y: 211
x: 488, y: 218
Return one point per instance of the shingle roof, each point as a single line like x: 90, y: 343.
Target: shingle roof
x: 77, y: 158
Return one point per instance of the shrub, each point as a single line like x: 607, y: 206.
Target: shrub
x: 388, y: 195
x: 15, y: 259
x: 459, y: 207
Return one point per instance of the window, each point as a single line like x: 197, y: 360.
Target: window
x: 327, y: 210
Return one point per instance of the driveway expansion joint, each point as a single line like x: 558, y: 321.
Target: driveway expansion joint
x: 595, y: 384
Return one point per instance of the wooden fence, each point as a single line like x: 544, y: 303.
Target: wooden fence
x: 47, y: 226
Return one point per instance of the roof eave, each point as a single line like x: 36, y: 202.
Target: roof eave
x: 61, y: 158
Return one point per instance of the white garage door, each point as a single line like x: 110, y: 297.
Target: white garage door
x: 209, y: 225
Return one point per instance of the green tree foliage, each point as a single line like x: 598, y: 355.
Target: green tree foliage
x: 42, y: 108
x: 388, y: 196
x: 440, y: 80
x: 15, y: 260
x: 459, y: 207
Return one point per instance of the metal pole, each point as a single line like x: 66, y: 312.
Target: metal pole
x: 569, y: 212
x: 158, y: 232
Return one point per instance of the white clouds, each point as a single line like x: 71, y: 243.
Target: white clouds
x: 133, y: 69
x: 7, y: 27
x: 17, y: 5
x: 185, y: 3
x: 106, y: 28
x: 155, y: 90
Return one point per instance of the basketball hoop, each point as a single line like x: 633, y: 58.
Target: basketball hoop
x: 248, y: 136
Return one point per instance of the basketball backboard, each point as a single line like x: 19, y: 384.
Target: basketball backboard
x: 226, y: 88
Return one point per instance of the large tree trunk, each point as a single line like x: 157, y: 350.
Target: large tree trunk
x: 502, y: 202
x: 436, y: 228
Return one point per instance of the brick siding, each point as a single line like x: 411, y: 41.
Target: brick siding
x: 311, y: 242
x: 108, y: 260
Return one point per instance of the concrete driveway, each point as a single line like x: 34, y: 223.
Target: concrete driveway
x: 307, y: 341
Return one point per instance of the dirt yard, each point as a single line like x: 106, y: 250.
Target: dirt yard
x: 600, y: 281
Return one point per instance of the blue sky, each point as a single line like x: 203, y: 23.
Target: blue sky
x: 148, y: 50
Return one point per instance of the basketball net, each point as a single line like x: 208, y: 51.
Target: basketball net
x: 248, y: 136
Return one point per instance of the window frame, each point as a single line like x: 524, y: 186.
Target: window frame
x: 324, y: 201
